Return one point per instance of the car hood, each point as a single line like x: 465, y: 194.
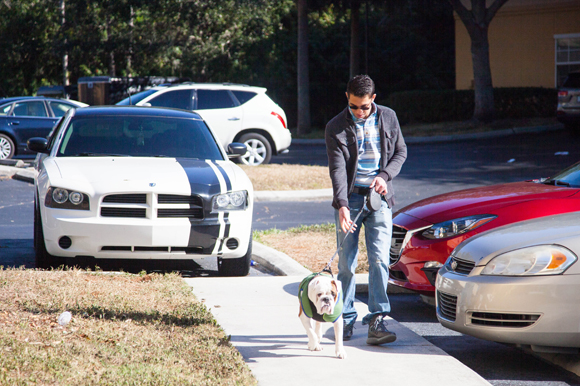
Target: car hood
x: 142, y: 174
x: 563, y: 229
x: 482, y: 200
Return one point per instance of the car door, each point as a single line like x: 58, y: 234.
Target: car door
x: 221, y: 112
x: 30, y: 119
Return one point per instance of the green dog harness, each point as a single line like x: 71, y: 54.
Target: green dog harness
x: 309, y: 308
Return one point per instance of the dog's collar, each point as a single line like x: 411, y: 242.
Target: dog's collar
x: 309, y: 308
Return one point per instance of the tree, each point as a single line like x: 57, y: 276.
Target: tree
x: 302, y: 69
x: 476, y: 21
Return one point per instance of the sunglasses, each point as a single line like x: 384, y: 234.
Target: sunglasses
x: 363, y: 108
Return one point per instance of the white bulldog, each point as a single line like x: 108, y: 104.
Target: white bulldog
x: 321, y: 301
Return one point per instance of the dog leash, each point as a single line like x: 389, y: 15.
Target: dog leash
x: 328, y: 268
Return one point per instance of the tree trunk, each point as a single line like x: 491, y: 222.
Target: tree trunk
x: 65, y: 80
x: 354, y: 38
x: 302, y: 67
x: 484, y: 103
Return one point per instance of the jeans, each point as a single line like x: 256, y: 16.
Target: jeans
x: 378, y: 230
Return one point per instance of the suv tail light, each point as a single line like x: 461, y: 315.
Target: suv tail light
x: 562, y: 93
x: 279, y: 117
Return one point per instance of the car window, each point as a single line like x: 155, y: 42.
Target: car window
x: 136, y: 98
x: 244, y: 96
x: 5, y: 109
x: 29, y: 109
x: 214, y: 99
x: 177, y: 99
x: 139, y: 136
x: 59, y: 108
x: 572, y: 81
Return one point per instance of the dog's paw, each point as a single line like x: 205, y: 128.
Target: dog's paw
x: 315, y: 346
x: 340, y: 353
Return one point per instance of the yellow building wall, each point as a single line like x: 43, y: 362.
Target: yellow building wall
x: 522, y: 45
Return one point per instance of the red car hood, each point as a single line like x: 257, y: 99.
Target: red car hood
x: 482, y: 200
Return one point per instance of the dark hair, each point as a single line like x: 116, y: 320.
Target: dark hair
x: 361, y: 86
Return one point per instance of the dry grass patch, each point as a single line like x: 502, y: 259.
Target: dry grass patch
x: 125, y: 330
x: 288, y: 177
x: 312, y: 246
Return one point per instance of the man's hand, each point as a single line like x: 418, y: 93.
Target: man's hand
x: 380, y: 185
x: 345, y: 221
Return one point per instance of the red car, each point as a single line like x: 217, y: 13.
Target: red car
x: 425, y: 233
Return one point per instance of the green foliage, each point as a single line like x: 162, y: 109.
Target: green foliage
x: 431, y: 106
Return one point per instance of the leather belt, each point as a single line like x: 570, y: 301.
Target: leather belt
x: 361, y: 191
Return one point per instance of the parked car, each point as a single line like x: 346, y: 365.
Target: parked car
x: 22, y: 118
x: 516, y: 284
x: 140, y: 183
x: 236, y: 113
x: 568, y: 111
x: 425, y: 233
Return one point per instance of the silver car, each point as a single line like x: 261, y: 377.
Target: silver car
x: 517, y: 284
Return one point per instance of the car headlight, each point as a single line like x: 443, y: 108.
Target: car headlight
x: 537, y: 260
x: 230, y: 201
x: 66, y: 199
x: 457, y: 226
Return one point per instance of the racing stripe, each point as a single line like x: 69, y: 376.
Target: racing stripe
x: 225, y: 185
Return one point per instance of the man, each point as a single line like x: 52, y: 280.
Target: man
x: 366, y: 150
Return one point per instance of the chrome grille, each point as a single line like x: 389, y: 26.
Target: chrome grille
x: 397, y: 240
x: 460, y: 266
x: 502, y: 320
x: 134, y: 198
x: 447, y: 306
x: 123, y: 212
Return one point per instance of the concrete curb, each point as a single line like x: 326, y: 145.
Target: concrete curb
x: 294, y: 195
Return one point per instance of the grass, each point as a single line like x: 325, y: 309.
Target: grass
x: 288, y: 177
x: 311, y: 245
x: 125, y: 330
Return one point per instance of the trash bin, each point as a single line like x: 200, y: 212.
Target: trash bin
x: 95, y: 90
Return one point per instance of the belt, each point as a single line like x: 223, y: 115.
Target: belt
x: 360, y: 190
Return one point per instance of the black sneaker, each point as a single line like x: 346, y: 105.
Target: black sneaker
x: 378, y: 333
x: 347, y: 330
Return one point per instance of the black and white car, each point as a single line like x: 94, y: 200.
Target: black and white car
x: 140, y: 183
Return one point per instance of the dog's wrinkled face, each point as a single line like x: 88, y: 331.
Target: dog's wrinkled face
x: 323, y: 292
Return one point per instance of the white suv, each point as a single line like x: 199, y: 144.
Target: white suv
x: 235, y: 112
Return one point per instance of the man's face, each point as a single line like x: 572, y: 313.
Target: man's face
x: 361, y: 106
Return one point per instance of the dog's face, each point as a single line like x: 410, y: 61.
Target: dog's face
x: 323, y: 292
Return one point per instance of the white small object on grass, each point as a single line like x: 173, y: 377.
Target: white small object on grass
x: 561, y: 153
x: 64, y: 318
x: 511, y: 160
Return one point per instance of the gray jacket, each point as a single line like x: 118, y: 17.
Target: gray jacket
x: 342, y: 149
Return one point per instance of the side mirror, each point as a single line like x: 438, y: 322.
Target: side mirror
x: 236, y: 149
x: 38, y: 145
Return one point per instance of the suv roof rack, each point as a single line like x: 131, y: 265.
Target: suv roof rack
x: 216, y: 84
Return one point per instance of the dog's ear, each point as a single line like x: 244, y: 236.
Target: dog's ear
x: 336, y: 285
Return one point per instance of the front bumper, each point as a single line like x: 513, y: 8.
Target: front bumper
x: 145, y: 238
x: 538, y: 311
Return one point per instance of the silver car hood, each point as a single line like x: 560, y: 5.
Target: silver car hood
x: 561, y: 229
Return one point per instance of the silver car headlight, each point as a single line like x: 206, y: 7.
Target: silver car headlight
x: 456, y: 227
x: 60, y: 198
x: 230, y: 201
x: 537, y: 260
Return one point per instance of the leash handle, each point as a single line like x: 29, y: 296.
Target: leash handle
x: 328, y: 268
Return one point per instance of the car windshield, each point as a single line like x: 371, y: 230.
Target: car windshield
x: 136, y: 98
x: 567, y: 177
x: 139, y: 136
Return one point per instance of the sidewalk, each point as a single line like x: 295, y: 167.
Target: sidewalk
x: 261, y: 315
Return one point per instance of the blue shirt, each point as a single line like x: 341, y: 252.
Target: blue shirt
x: 369, y: 148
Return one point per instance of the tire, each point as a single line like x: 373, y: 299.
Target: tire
x: 7, y: 148
x: 236, y: 267
x: 44, y: 259
x: 259, y: 149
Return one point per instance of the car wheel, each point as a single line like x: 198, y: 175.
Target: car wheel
x: 236, y: 267
x: 43, y: 258
x: 6, y: 147
x: 259, y: 149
